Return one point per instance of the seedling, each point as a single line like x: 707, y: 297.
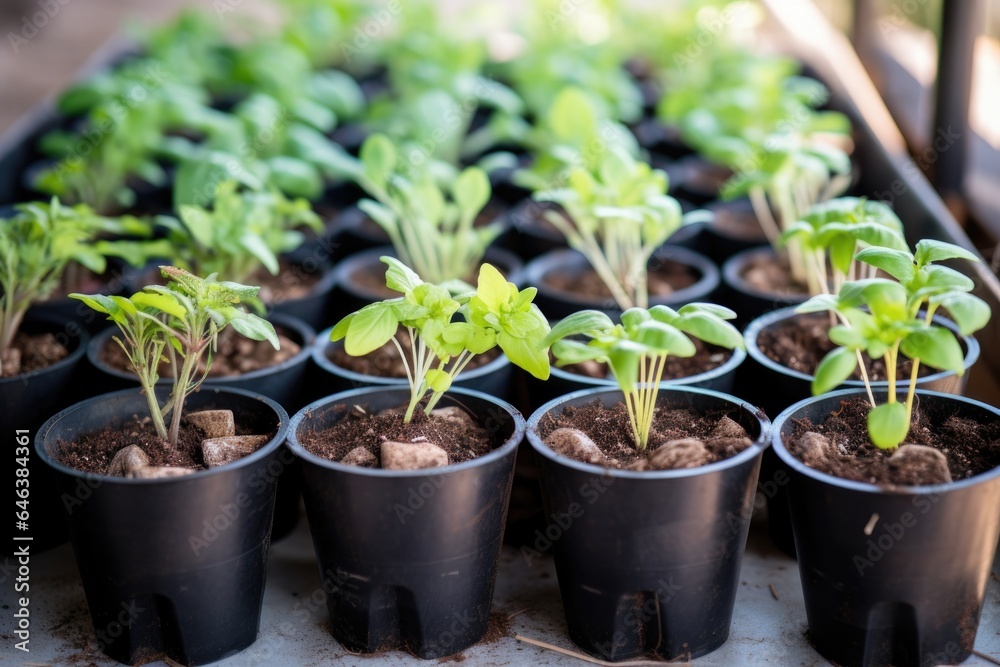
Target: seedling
x: 572, y: 134
x: 883, y: 318
x: 617, y: 214
x: 637, y: 349
x: 243, y: 232
x: 431, y: 226
x: 39, y: 243
x: 832, y: 232
x: 182, y: 319
x: 496, y: 314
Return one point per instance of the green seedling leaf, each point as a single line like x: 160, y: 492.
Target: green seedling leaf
x: 399, y: 277
x: 936, y: 347
x: 897, y: 263
x: 969, y: 312
x: 255, y: 328
x: 585, y: 321
x: 370, y: 329
x: 929, y: 250
x: 888, y: 425
x: 835, y: 368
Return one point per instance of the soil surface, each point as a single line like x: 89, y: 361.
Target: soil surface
x: 667, y: 278
x: 766, y: 273
x: 801, y: 342
x: 92, y: 452
x: 706, y: 358
x: 610, y: 430
x: 31, y: 352
x: 385, y: 361
x: 235, y: 355
x: 361, y: 428
x: 971, y: 448
x: 292, y: 282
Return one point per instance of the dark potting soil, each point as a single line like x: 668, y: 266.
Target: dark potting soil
x: 970, y: 447
x: 360, y: 428
x: 801, y: 342
x: 385, y: 361
x: 610, y: 430
x: 773, y: 275
x: 666, y: 279
x: 235, y: 355
x: 92, y: 452
x: 707, y: 357
x: 32, y: 352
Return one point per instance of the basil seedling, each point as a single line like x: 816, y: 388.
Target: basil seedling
x: 882, y: 318
x: 496, y: 314
x: 637, y: 349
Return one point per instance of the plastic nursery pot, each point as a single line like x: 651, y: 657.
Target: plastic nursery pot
x: 408, y: 558
x: 774, y: 387
x: 282, y: 382
x: 361, y: 277
x: 649, y: 562
x: 285, y: 383
x: 910, y: 590
x: 696, y: 179
x: 734, y: 229
x: 184, y: 557
x: 747, y: 300
x: 558, y: 303
x: 29, y: 399
x: 562, y: 381
x: 313, y: 308
x: 491, y: 378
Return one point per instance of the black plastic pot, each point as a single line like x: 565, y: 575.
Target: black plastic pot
x: 649, y: 562
x: 562, y: 381
x: 26, y: 401
x: 748, y: 301
x: 696, y: 179
x: 491, y: 378
x: 909, y: 591
x: 408, y: 559
x: 720, y: 240
x: 177, y: 565
x: 557, y: 304
x: 774, y: 387
x: 314, y: 308
x: 284, y: 383
x: 351, y: 295
x: 661, y: 139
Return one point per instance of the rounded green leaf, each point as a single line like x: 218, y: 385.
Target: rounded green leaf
x: 888, y: 425
x: 579, y: 323
x: 897, y: 263
x: 936, y: 347
x: 836, y: 367
x: 370, y: 329
x: 438, y: 380
x: 471, y: 191
x: 378, y: 158
x: 711, y: 329
x: 969, y: 312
